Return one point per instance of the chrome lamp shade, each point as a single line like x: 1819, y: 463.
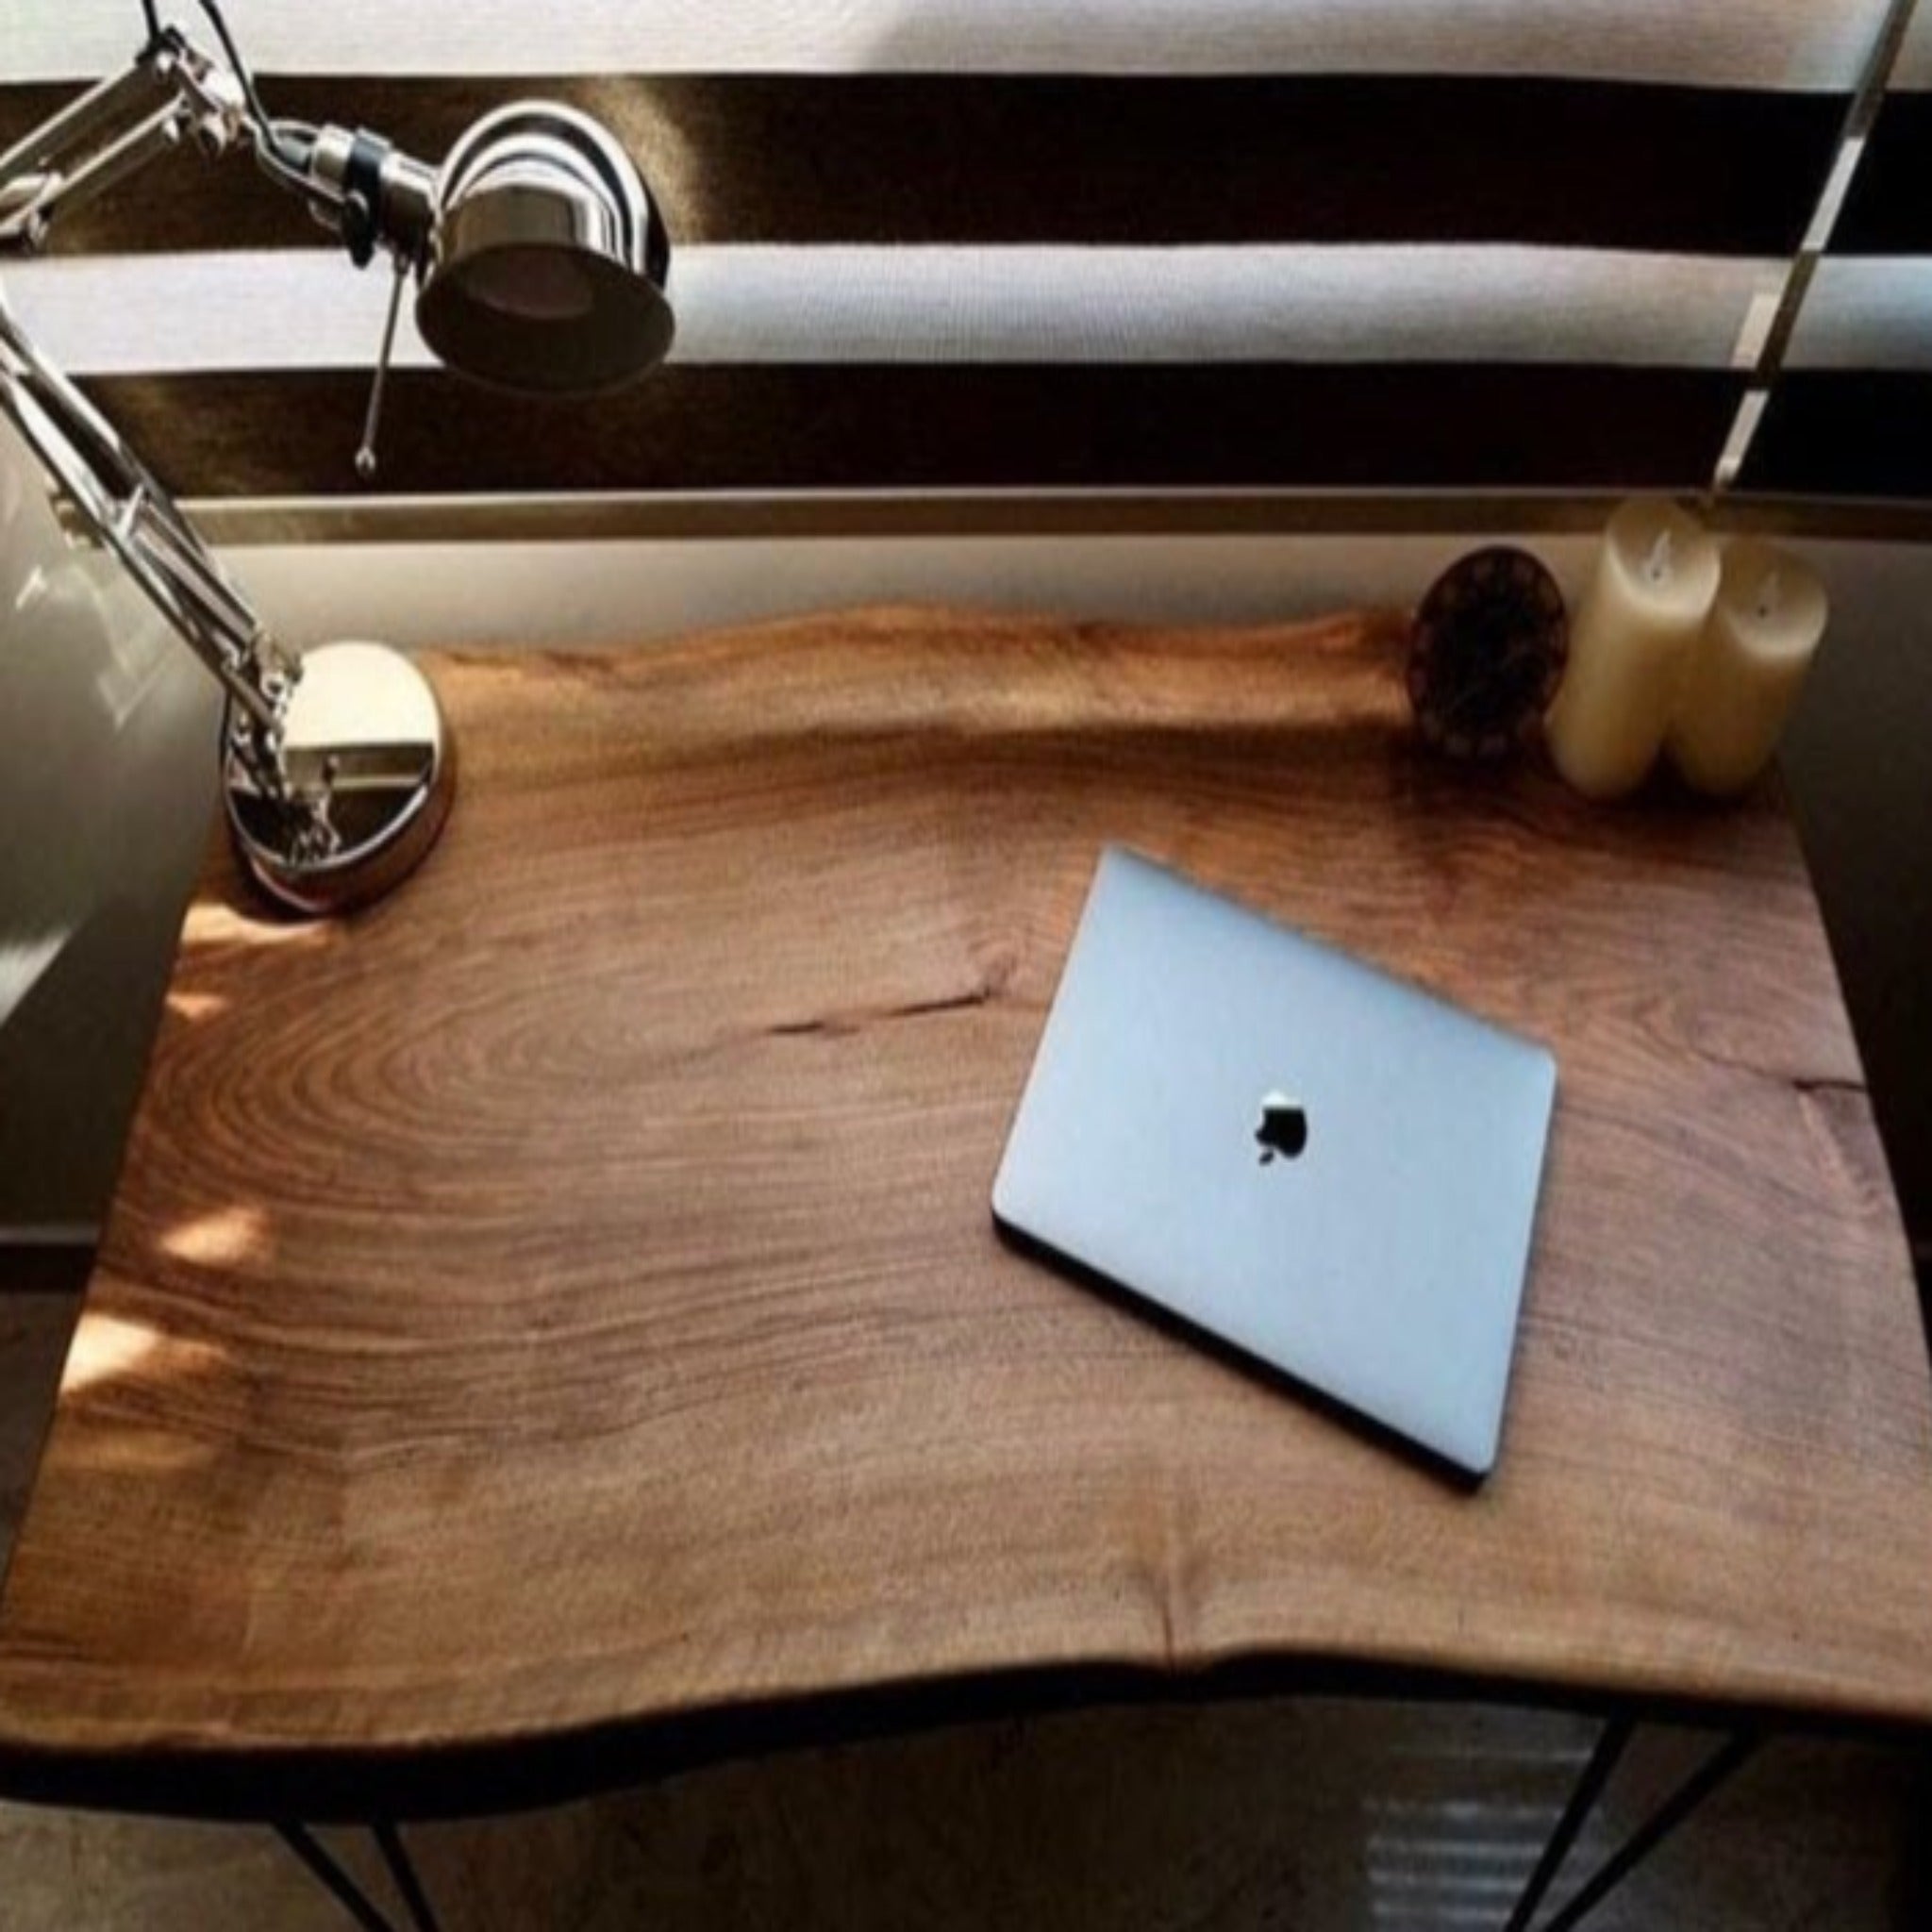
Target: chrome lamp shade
x: 548, y: 262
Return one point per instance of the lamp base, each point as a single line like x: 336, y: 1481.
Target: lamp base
x: 365, y: 737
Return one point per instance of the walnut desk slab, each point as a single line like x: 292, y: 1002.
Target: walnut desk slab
x: 551, y: 1321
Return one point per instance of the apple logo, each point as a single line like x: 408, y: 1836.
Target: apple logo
x: 1284, y: 1128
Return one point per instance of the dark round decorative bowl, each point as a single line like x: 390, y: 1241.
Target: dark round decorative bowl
x: 1486, y: 653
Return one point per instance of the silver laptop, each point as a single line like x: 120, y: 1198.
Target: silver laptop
x: 1324, y: 1166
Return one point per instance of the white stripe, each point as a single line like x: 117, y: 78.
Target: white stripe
x: 310, y: 309
x: 1771, y: 43
x: 1866, y: 313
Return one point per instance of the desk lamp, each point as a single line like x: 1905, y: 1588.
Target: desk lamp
x: 539, y: 263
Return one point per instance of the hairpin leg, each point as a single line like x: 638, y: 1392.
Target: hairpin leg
x: 396, y: 1857
x: 1611, y: 1745
x: 332, y: 1878
x: 327, y: 1871
x: 1715, y: 1770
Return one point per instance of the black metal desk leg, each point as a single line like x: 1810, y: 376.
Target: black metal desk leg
x: 1715, y: 1769
x: 1611, y: 1745
x: 333, y: 1876
x: 396, y: 1857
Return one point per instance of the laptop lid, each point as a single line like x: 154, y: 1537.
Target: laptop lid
x: 1324, y: 1166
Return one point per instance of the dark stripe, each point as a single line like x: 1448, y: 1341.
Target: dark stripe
x: 872, y: 427
x: 922, y: 158
x: 1846, y: 433
x: 1889, y: 210
x: 61, y: 1270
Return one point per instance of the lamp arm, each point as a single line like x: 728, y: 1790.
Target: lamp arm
x: 173, y: 92
x: 170, y: 94
x: 339, y: 767
x: 323, y: 818
x: 131, y: 513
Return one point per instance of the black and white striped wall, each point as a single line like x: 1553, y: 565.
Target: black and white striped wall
x: 1517, y: 245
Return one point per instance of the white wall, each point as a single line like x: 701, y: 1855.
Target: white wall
x: 503, y: 596
x: 107, y: 733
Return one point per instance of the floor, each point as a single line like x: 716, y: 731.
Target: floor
x: 1292, y: 1816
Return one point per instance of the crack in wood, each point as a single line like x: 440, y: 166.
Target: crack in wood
x: 837, y: 1026
x: 1826, y: 1083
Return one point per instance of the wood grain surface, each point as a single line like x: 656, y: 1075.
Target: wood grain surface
x: 563, y: 1300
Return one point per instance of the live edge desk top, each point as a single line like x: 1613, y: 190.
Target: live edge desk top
x: 554, y: 1317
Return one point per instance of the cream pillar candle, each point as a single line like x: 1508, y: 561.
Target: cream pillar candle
x: 1655, y: 581
x: 1747, y: 668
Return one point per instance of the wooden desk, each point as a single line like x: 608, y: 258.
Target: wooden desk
x: 555, y: 1315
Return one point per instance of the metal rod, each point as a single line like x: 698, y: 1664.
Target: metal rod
x: 159, y: 133
x: 1715, y: 1770
x: 196, y: 565
x: 82, y: 119
x: 131, y: 513
x: 1611, y: 1742
x: 1848, y: 152
x: 395, y: 1855
x: 372, y: 422
x: 327, y: 1873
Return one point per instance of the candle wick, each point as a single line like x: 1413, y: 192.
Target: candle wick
x: 1656, y: 566
x: 1767, y: 597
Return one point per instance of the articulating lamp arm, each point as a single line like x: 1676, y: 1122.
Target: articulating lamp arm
x: 338, y: 769
x: 133, y: 515
x: 542, y: 264
x: 354, y: 184
x: 170, y: 93
x: 173, y: 93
